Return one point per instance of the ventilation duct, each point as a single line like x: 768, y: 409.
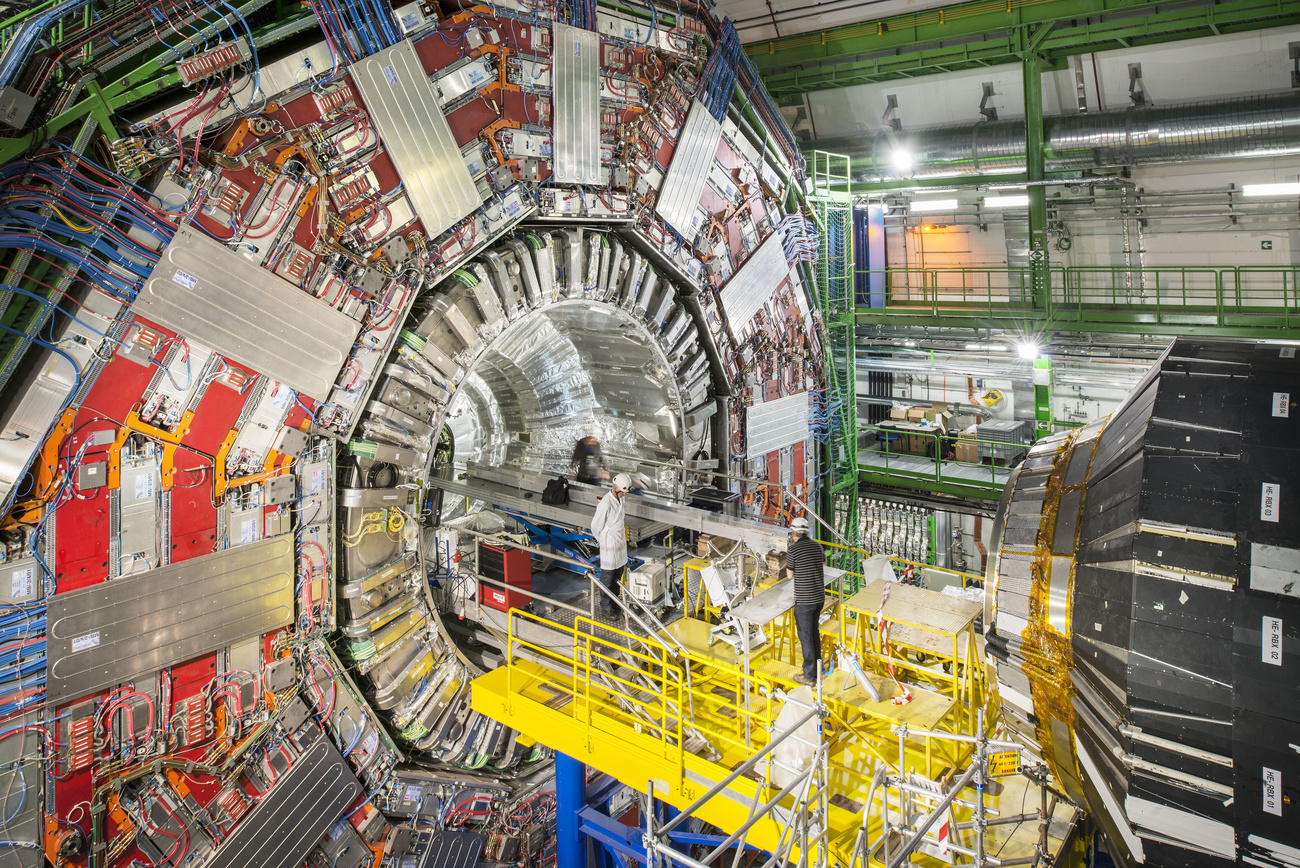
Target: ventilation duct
x: 1254, y: 126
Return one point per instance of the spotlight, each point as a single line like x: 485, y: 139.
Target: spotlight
x: 1028, y: 350
x: 902, y: 160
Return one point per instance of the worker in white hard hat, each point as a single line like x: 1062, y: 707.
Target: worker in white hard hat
x: 609, y: 529
x: 806, y: 559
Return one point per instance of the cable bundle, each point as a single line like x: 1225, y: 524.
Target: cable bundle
x: 68, y: 214
x: 761, y: 101
x: 357, y: 28
x: 719, y: 76
x: 799, y: 238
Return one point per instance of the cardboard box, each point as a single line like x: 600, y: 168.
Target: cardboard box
x: 968, y: 452
x: 916, y: 414
x: 942, y: 419
x: 898, y: 414
x: 916, y: 444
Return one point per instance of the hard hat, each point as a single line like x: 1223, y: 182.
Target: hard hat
x: 623, y: 482
x: 799, y: 525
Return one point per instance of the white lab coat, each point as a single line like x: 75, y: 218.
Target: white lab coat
x: 610, y: 531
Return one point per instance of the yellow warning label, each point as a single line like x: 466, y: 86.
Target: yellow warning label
x: 1003, y: 763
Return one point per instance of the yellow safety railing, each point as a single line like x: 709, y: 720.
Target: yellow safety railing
x: 639, y: 686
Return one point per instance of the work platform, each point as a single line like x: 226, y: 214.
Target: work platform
x: 918, y: 471
x: 677, y: 713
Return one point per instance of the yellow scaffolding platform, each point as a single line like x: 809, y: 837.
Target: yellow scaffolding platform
x: 678, y: 713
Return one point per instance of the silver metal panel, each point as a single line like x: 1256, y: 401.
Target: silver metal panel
x: 294, y: 816
x: 746, y: 293
x: 577, y: 106
x: 1272, y: 569
x: 203, y: 289
x: 21, y: 777
x: 679, y: 198
x: 777, y: 424
x: 404, y: 106
x: 115, y: 631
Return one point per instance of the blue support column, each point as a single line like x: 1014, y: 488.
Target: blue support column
x: 570, y: 798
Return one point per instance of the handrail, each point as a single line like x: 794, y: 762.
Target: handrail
x: 933, y: 455
x: 1228, y: 295
x: 663, y: 709
x: 967, y: 578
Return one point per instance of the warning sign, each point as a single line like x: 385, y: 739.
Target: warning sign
x: 1003, y: 763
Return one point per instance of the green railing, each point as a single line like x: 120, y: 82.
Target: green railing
x: 932, y: 466
x: 1228, y: 296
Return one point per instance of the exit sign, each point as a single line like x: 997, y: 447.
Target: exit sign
x: 1266, y: 245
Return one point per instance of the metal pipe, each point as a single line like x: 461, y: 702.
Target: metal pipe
x: 737, y: 772
x: 1255, y: 126
x: 767, y: 806
x: 933, y: 817
x: 969, y: 739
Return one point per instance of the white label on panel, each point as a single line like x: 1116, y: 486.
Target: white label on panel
x: 1271, y: 643
x: 24, y: 583
x: 248, y: 531
x: 1282, y: 405
x: 1272, y: 791
x: 1287, y: 353
x: 1268, y: 501
x: 144, y: 486
x: 86, y: 642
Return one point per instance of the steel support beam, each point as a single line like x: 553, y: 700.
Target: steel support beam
x: 570, y: 799
x: 1116, y: 324
x: 963, y: 43
x: 1032, y: 72
x: 989, y: 491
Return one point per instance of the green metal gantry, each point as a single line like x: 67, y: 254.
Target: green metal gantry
x: 833, y: 210
x: 993, y: 32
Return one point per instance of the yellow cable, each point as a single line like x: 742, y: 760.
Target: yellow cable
x: 69, y: 222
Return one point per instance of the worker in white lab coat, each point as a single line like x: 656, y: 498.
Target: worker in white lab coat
x: 610, y: 531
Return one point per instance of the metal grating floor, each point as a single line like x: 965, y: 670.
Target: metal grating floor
x: 981, y: 476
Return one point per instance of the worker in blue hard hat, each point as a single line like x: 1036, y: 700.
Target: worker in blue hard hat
x: 610, y: 530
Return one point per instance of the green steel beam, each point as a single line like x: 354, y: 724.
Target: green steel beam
x: 931, y: 26
x: 1035, y: 160
x: 1118, y: 323
x: 145, y: 80
x: 864, y: 64
x: 985, y: 491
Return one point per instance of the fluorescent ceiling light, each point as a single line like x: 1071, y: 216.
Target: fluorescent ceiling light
x: 987, y: 348
x: 1006, y: 201
x: 927, y: 205
x: 1271, y: 190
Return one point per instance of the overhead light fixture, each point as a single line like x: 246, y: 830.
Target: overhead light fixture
x: 1028, y: 350
x: 902, y: 160
x: 909, y: 344
x: 926, y: 206
x: 1006, y: 201
x: 987, y: 348
x: 1271, y: 190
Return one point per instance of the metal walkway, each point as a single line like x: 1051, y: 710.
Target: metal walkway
x: 916, y: 471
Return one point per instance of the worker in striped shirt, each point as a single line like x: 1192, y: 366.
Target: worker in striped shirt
x: 806, y: 560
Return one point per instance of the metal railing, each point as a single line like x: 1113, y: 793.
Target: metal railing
x: 604, y: 697
x: 1249, y: 296
x: 913, y: 464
